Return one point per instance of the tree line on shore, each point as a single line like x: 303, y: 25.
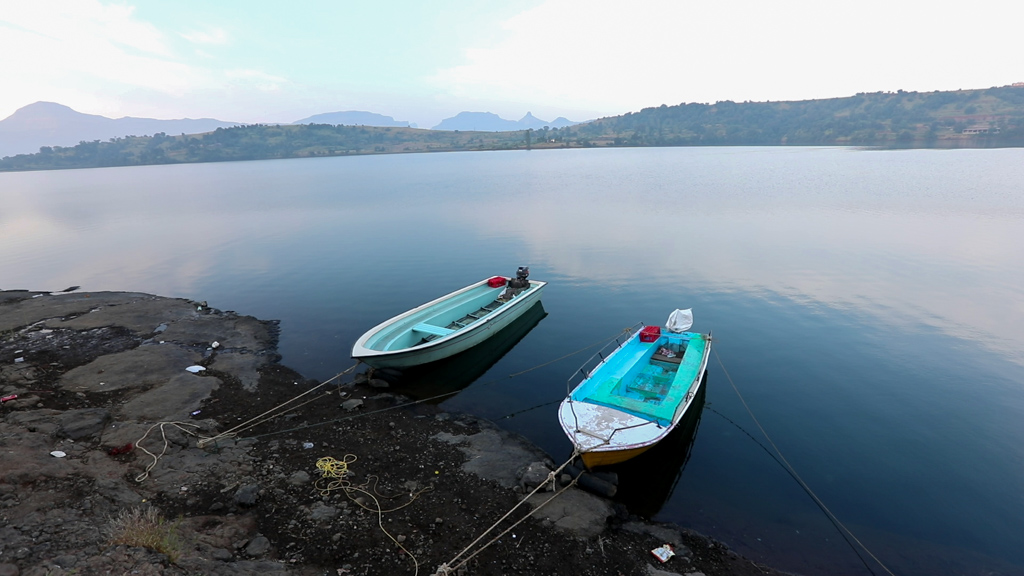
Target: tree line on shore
x: 963, y: 118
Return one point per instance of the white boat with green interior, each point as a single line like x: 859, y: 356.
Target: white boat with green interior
x: 450, y: 324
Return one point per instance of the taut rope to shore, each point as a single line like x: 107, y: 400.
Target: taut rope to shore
x: 273, y: 412
x: 450, y: 567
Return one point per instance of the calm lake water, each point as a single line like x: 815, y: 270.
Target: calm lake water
x: 869, y: 306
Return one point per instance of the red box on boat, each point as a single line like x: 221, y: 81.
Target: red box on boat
x: 496, y: 281
x: 650, y: 334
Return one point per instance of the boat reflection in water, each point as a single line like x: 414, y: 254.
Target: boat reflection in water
x: 647, y: 481
x: 441, y: 379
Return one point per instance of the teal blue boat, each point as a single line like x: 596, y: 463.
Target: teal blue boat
x: 635, y: 395
x: 450, y: 324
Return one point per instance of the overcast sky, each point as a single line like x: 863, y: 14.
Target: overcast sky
x: 423, y: 61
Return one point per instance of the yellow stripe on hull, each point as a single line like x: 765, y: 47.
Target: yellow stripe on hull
x: 609, y: 457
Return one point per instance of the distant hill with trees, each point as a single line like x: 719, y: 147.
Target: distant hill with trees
x: 965, y: 118
x: 259, y: 142
x: 973, y: 118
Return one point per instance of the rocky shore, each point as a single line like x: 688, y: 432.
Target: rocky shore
x: 114, y: 460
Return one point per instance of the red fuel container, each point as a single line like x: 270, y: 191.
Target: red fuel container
x: 650, y: 334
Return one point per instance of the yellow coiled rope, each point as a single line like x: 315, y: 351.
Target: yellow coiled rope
x: 333, y: 476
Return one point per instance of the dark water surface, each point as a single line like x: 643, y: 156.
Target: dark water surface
x: 868, y: 305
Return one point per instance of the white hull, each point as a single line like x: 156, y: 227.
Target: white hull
x: 371, y: 348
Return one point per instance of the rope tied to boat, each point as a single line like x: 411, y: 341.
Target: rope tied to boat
x: 190, y: 428
x: 435, y: 397
x: 447, y: 568
x: 845, y: 532
x: 274, y: 412
x: 163, y: 433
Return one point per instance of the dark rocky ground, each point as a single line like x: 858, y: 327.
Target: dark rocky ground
x: 96, y: 372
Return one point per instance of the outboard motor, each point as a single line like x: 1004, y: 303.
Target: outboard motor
x: 521, y: 281
x: 517, y: 284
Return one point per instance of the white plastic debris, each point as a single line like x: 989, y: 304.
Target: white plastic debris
x: 195, y: 369
x: 19, y: 360
x: 58, y: 454
x: 307, y: 445
x: 663, y: 552
x: 215, y: 344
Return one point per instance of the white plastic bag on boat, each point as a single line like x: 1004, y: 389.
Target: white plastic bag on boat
x: 680, y: 320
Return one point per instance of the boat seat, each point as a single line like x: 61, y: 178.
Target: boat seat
x: 432, y: 330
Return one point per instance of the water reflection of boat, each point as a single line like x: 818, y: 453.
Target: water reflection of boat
x: 646, y: 482
x: 459, y: 371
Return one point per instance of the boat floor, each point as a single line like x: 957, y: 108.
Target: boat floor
x: 468, y: 319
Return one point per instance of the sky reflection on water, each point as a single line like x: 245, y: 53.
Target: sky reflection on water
x: 868, y: 304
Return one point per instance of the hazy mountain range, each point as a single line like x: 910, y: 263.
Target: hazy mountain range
x: 52, y: 124
x: 355, y: 118
x: 488, y: 122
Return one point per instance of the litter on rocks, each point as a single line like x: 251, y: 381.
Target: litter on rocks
x: 307, y: 445
x: 58, y: 454
x: 215, y: 344
x: 8, y: 398
x: 121, y: 449
x: 19, y: 360
x: 663, y: 552
x: 195, y: 369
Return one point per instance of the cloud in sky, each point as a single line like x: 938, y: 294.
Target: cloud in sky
x: 259, y: 61
x: 617, y: 58
x: 206, y: 36
x: 81, y: 46
x: 96, y: 57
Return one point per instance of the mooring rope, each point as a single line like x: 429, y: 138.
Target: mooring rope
x: 447, y: 568
x: 156, y: 457
x: 437, y: 397
x: 335, y: 472
x: 570, y: 354
x: 270, y: 414
x: 843, y: 530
